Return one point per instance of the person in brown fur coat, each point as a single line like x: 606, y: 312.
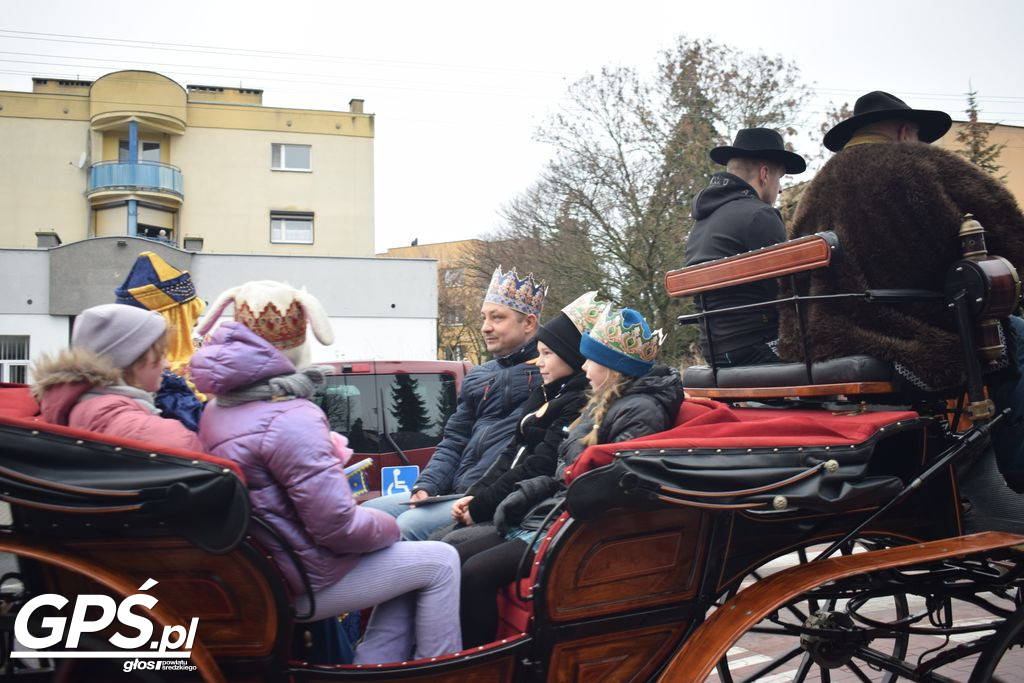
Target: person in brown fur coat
x: 896, y: 205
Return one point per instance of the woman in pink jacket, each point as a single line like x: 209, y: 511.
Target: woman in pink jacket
x: 262, y: 419
x: 105, y: 381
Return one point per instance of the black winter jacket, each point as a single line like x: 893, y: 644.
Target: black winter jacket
x: 732, y: 219
x: 534, y: 451
x: 647, y: 406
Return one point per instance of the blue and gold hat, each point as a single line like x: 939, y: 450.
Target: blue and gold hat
x: 155, y: 285
x: 525, y: 295
x: 622, y: 341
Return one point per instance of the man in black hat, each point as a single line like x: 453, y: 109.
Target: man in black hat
x: 735, y: 214
x: 897, y: 205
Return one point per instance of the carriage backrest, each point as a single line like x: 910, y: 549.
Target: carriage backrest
x: 96, y: 513
x: 979, y: 289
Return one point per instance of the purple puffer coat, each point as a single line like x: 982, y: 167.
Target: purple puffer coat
x: 296, y: 482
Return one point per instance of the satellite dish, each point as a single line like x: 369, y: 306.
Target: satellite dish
x: 81, y: 160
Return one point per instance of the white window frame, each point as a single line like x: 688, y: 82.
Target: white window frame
x: 141, y: 150
x: 7, y: 363
x: 282, y: 219
x: 283, y: 158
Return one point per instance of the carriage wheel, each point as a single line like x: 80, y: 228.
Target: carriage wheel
x: 993, y: 665
x: 814, y: 637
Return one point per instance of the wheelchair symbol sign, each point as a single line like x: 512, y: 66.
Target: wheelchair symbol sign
x: 398, y: 479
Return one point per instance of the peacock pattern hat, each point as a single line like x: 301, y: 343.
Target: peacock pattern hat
x: 525, y: 295
x: 585, y: 311
x: 622, y: 341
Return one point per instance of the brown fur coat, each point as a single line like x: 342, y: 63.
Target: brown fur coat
x: 896, y: 209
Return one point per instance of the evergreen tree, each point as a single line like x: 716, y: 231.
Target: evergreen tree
x: 445, y: 402
x: 973, y: 135
x: 407, y: 407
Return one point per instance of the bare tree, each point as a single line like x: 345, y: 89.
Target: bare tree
x: 611, y: 210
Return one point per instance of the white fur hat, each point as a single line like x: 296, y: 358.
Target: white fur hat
x: 277, y: 312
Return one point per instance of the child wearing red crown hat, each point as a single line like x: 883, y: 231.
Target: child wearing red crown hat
x: 261, y: 418
x: 631, y: 396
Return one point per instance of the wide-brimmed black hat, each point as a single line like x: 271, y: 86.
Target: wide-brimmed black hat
x: 759, y: 143
x: 881, y: 106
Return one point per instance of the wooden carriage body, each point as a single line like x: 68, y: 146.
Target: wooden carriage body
x: 645, y: 576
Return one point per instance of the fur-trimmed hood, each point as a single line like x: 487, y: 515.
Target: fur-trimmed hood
x: 60, y: 380
x: 896, y: 208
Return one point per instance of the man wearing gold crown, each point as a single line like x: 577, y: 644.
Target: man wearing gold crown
x: 488, y: 409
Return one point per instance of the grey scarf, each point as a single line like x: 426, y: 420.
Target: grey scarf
x: 302, y: 384
x: 143, y: 398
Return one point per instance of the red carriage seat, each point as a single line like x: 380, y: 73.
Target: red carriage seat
x: 16, y: 401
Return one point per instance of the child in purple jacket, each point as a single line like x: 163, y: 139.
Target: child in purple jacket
x: 261, y: 418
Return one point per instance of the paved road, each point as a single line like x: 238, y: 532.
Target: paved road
x: 755, y: 651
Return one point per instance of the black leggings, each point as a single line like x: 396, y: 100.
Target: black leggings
x: 488, y: 564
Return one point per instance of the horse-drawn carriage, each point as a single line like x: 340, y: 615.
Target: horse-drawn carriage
x: 665, y: 560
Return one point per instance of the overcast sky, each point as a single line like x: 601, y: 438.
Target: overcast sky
x: 458, y: 88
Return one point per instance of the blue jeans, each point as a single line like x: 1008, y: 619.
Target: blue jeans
x: 415, y: 523
x: 1008, y: 437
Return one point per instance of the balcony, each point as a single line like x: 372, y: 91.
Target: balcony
x: 124, y: 179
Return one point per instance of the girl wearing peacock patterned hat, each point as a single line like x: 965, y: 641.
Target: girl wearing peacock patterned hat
x: 631, y: 397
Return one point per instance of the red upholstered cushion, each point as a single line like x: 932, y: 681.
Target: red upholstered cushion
x: 514, y: 614
x: 708, y: 424
x: 16, y: 401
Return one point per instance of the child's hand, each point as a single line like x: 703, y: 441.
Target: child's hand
x: 460, y: 510
x: 341, y: 448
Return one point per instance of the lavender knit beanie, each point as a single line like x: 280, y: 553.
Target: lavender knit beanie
x: 121, y: 333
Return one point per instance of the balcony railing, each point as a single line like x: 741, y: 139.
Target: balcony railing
x: 133, y: 176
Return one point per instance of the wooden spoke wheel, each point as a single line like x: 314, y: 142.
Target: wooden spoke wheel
x: 815, y: 637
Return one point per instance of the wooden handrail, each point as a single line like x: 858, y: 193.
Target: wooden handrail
x: 795, y: 256
x: 807, y: 390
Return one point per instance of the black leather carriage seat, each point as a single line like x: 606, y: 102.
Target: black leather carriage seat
x: 848, y: 370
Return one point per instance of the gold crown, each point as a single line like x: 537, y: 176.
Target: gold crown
x: 525, y: 295
x: 284, y: 330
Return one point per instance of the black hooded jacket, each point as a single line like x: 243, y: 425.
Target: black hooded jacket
x: 647, y: 406
x: 545, y: 421
x: 732, y: 219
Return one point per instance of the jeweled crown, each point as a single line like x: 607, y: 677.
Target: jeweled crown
x: 630, y: 339
x: 585, y: 310
x: 284, y: 330
x: 525, y: 295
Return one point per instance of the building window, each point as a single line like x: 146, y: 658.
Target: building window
x: 453, y: 316
x: 453, y: 277
x: 291, y: 228
x: 148, y: 151
x: 291, y: 157
x: 13, y: 358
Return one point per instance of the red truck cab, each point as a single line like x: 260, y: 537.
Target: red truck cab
x: 391, y: 411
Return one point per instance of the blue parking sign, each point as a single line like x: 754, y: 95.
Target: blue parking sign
x: 398, y: 479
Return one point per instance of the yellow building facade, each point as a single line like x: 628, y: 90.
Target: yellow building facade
x: 204, y: 168
x: 460, y: 294
x: 1011, y: 157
